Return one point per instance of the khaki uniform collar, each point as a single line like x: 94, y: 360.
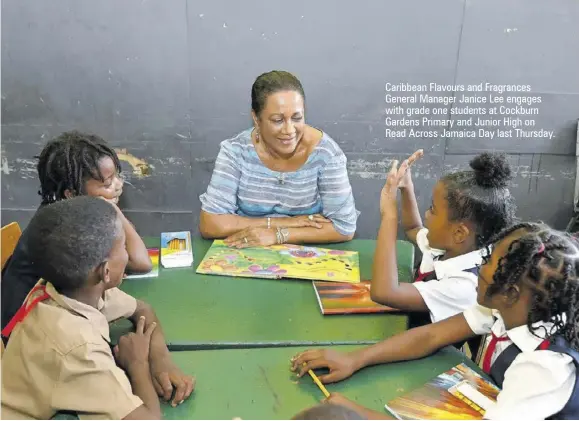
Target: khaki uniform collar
x: 93, y: 315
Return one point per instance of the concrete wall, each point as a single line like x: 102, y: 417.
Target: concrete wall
x: 168, y: 80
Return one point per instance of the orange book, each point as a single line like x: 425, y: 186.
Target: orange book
x: 342, y: 298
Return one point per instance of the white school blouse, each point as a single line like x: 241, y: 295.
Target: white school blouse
x: 538, y: 383
x: 455, y: 290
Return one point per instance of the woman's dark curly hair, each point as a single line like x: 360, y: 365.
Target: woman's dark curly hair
x: 68, y: 161
x: 547, y: 262
x: 482, y: 196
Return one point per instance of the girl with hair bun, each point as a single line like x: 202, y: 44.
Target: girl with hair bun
x: 468, y: 208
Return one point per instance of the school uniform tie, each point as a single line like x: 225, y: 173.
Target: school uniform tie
x: 486, y: 366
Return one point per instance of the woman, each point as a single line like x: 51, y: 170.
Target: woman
x: 282, y: 181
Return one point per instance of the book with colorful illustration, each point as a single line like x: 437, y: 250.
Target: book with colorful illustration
x: 341, y: 298
x: 458, y: 394
x: 176, y: 249
x: 154, y: 256
x: 282, y: 261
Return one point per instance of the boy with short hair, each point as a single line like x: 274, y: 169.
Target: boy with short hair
x: 59, y: 357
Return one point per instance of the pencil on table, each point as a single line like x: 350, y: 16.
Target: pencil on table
x: 319, y: 383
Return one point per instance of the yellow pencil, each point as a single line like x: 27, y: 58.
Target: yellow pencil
x: 319, y: 383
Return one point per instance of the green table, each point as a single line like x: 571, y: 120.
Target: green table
x: 204, y: 309
x: 257, y: 383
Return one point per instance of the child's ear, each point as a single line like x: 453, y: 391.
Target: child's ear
x: 460, y: 233
x: 512, y: 295
x: 105, y: 273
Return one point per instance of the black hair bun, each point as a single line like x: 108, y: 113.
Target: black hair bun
x: 491, y: 170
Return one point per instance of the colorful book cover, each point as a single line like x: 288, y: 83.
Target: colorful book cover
x: 282, y: 261
x: 440, y: 399
x: 341, y: 298
x: 154, y: 256
x: 176, y: 249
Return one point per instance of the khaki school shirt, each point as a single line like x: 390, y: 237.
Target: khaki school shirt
x: 59, y: 359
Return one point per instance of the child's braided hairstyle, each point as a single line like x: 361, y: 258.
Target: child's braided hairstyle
x: 547, y: 261
x: 68, y: 161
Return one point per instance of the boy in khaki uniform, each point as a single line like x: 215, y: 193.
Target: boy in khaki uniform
x: 58, y: 357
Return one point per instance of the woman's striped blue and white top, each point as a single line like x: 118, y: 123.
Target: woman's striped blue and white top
x: 242, y: 185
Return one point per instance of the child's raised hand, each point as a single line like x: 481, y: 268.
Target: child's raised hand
x: 398, y: 177
x: 406, y: 178
x: 390, y: 189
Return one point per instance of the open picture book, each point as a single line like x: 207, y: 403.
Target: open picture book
x: 282, y: 261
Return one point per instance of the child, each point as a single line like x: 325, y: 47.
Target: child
x: 528, y: 298
x: 468, y: 208
x: 328, y: 411
x: 58, y: 357
x: 71, y: 165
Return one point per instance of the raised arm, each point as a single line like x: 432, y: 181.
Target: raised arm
x: 386, y: 288
x: 139, y: 260
x: 411, y: 221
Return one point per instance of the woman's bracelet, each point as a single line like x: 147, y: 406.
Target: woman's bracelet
x: 268, y: 222
x: 281, y: 236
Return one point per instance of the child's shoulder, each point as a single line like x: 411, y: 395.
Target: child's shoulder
x: 62, y: 330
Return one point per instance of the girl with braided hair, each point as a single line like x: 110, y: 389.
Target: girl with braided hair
x: 72, y: 164
x: 528, y: 305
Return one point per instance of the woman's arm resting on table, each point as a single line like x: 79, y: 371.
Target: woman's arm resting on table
x: 221, y: 226
x: 226, y: 225
x: 326, y: 234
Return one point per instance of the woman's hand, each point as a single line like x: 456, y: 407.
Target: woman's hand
x: 252, y: 237
x: 302, y: 221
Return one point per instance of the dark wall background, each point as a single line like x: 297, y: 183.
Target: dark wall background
x: 168, y: 80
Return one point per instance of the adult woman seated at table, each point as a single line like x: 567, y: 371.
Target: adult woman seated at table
x: 282, y: 181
